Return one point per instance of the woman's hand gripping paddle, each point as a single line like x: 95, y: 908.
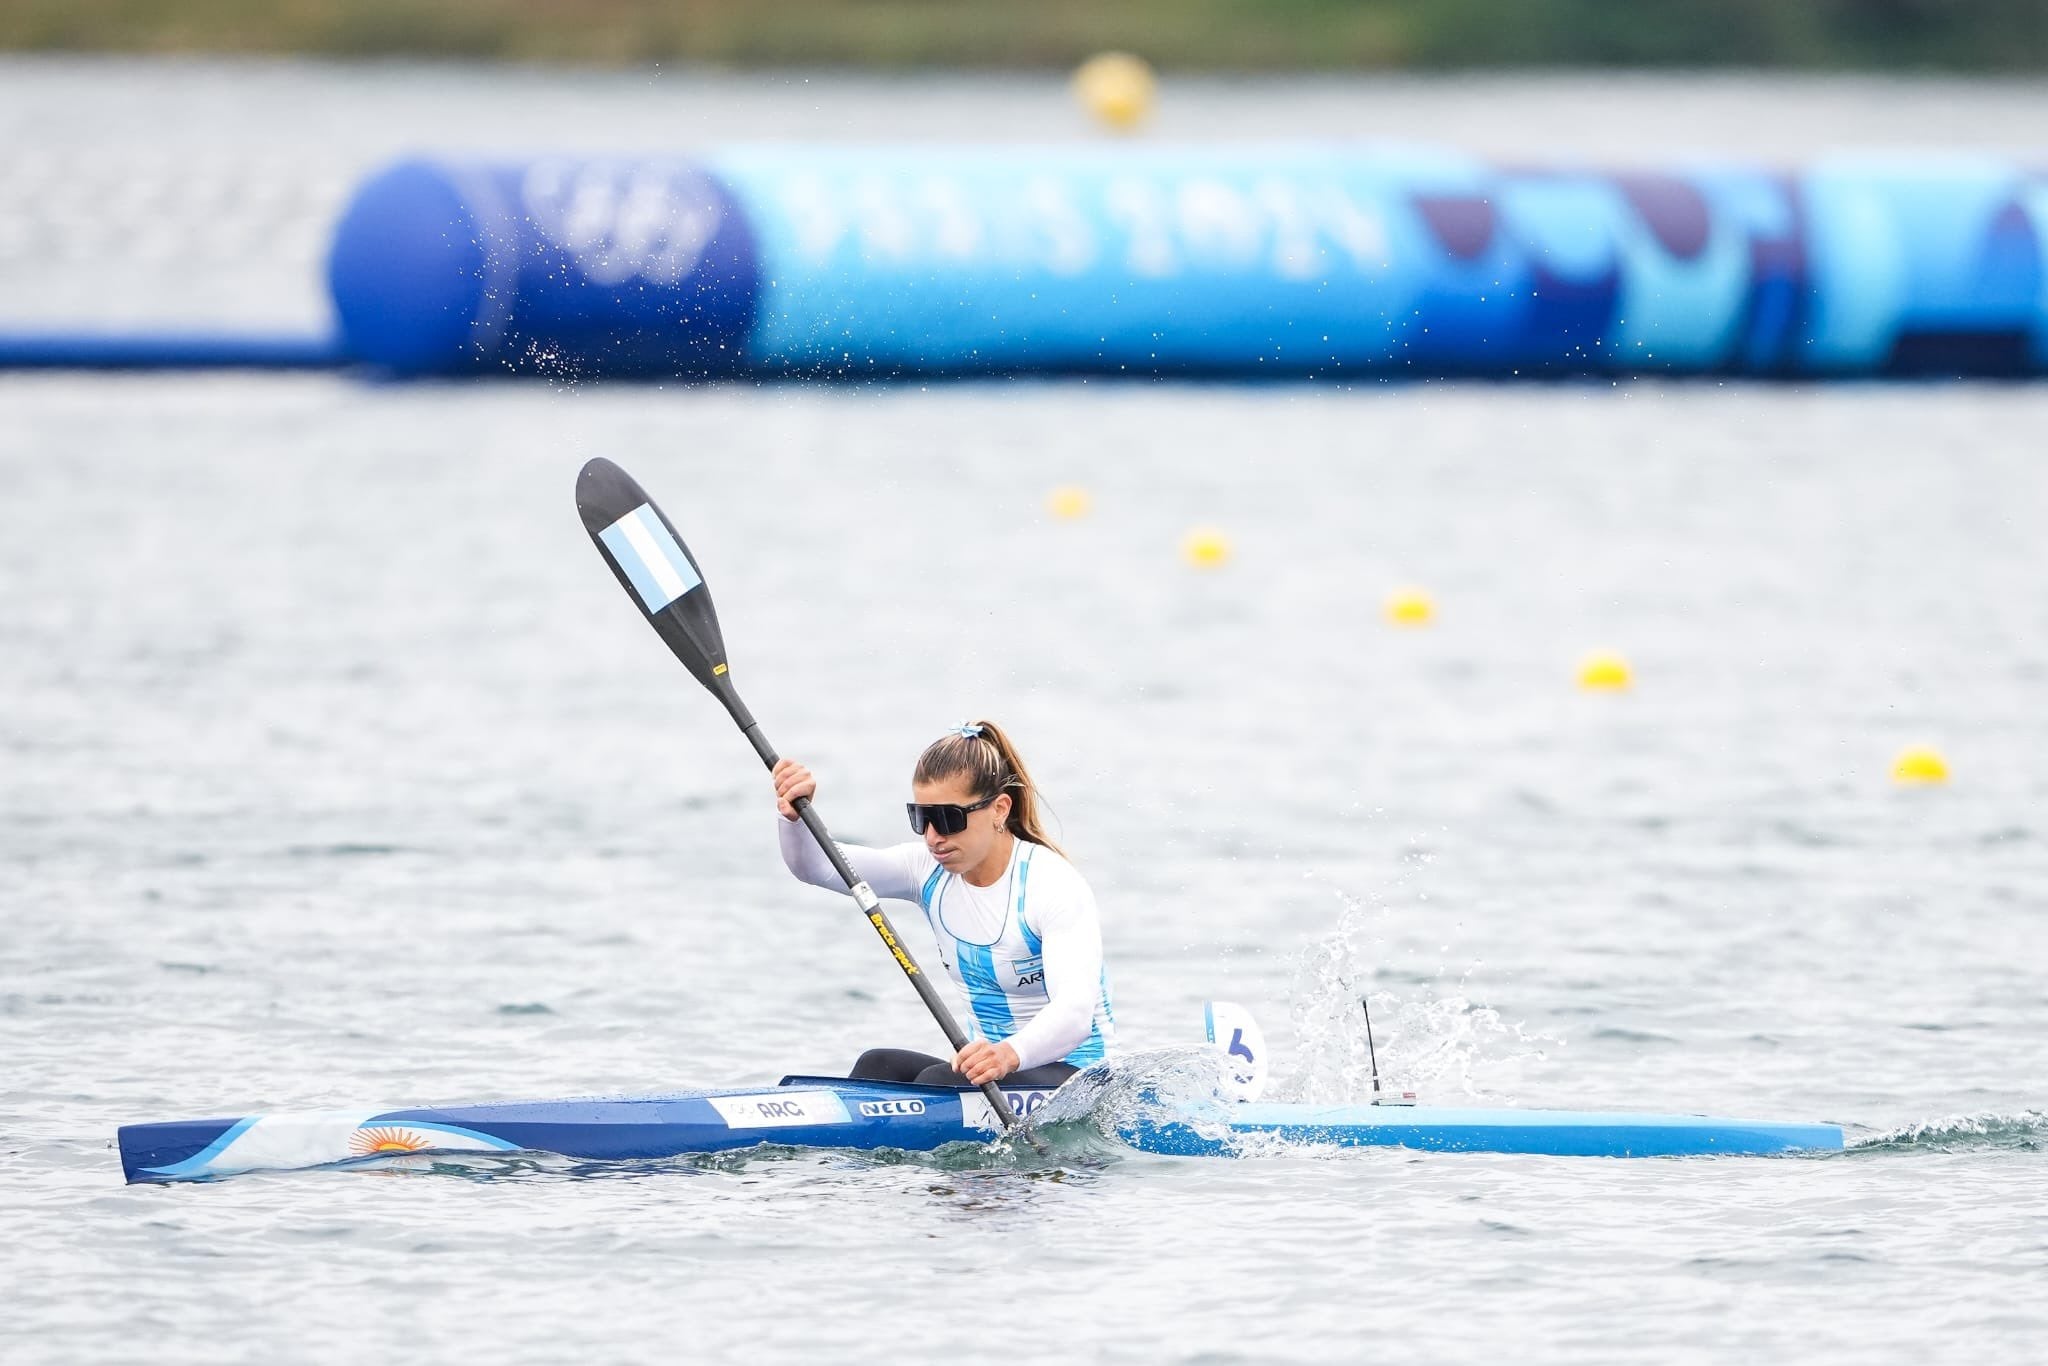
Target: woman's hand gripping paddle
x: 658, y: 572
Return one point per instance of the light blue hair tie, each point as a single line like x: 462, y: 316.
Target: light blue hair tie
x: 967, y: 730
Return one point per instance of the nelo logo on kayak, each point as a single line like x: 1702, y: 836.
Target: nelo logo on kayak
x: 892, y: 1107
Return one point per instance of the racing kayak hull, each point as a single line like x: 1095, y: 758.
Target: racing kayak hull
x: 833, y: 1112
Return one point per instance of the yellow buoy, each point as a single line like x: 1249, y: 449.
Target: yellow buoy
x: 1410, y: 607
x: 1117, y: 88
x: 1205, y: 548
x: 1068, y: 502
x: 1919, y: 764
x: 1604, y: 671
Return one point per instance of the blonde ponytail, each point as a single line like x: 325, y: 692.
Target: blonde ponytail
x: 980, y: 752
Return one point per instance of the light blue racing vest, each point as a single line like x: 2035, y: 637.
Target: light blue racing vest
x: 1005, y: 979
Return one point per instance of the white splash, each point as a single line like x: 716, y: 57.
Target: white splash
x: 1431, y: 1038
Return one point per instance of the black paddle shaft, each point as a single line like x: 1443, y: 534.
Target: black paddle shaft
x: 658, y: 572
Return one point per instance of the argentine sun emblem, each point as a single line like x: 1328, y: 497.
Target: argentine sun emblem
x: 371, y: 1142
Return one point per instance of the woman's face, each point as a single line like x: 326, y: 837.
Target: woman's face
x: 972, y: 845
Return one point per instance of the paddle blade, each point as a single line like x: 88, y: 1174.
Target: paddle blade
x: 655, y: 568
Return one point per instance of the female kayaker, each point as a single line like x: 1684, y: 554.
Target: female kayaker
x: 1016, y: 925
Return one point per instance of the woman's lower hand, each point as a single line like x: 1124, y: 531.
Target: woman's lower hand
x: 982, y: 1063
x: 792, y: 780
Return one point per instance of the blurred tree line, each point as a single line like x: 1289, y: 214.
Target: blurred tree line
x: 1241, y: 35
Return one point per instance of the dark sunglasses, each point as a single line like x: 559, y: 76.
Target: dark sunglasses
x: 950, y: 818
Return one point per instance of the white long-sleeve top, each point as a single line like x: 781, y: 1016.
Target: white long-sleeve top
x: 1026, y: 950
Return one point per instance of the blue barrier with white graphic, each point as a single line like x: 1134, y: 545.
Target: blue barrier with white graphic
x: 1325, y: 261
x: 558, y: 267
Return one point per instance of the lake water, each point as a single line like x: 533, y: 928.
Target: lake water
x: 334, y: 768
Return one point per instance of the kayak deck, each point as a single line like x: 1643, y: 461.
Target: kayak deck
x: 833, y: 1112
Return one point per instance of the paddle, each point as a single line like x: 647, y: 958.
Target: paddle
x: 659, y: 573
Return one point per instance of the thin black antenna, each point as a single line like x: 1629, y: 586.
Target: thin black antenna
x: 1365, y: 1003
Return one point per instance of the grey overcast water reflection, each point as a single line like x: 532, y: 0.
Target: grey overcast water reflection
x: 337, y: 770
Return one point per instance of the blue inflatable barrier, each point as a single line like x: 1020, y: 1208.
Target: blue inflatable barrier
x: 1254, y: 261
x: 1295, y: 261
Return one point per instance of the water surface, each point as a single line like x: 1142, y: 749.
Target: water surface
x: 339, y: 770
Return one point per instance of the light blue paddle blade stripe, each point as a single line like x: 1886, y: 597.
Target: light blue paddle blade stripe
x: 985, y: 990
x: 653, y: 563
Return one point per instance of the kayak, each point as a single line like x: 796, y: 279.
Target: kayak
x: 835, y: 1113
